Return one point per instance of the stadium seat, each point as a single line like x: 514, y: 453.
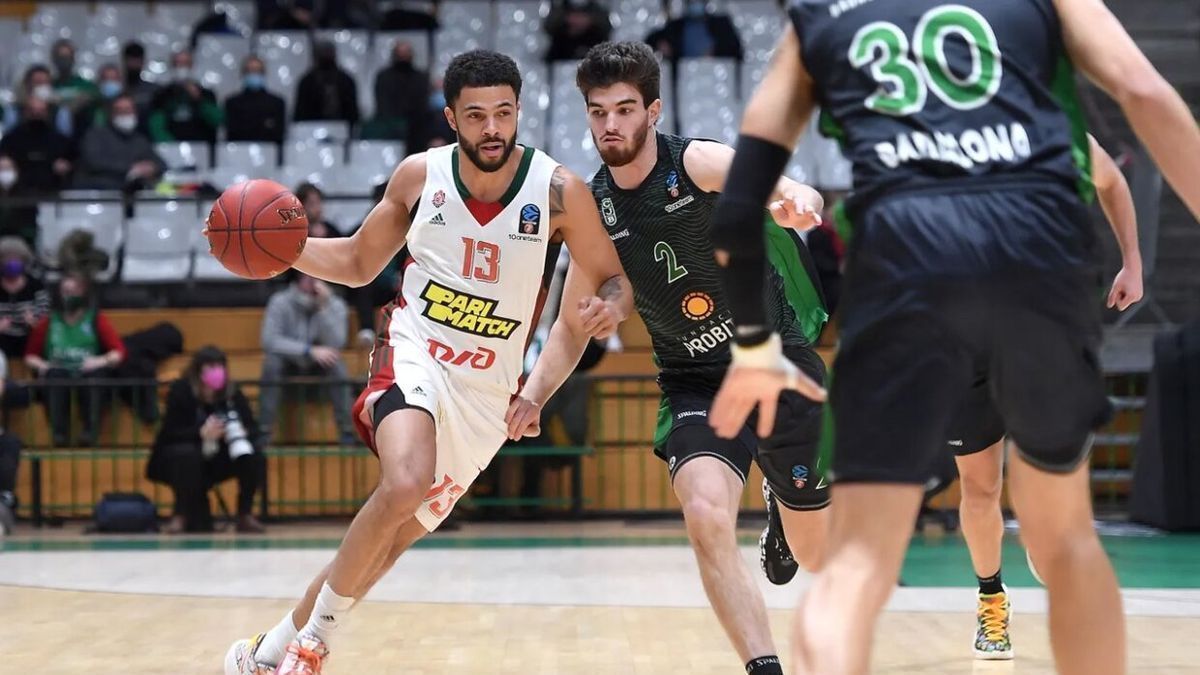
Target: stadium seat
x: 60, y: 20
x: 708, y: 105
x: 466, y: 25
x: 357, y: 59
x: 222, y: 177
x: 104, y: 221
x: 758, y: 25
x: 380, y: 155
x: 311, y: 157
x: 242, y: 14
x: 319, y: 131
x: 634, y: 19
x: 120, y: 20
x: 535, y: 102
x: 218, y: 61
x: 570, y: 138
x: 184, y: 156
x: 518, y: 30
x: 288, y: 56
x: 11, y: 31
x: 347, y: 214
x: 159, y: 248
x: 177, y: 19
x: 249, y: 156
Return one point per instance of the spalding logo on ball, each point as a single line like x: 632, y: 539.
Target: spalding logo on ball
x: 257, y: 229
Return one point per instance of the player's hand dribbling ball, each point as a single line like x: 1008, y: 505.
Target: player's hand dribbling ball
x: 257, y: 229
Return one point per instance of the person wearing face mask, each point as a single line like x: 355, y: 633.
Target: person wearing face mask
x: 116, y: 155
x: 72, y: 89
x: 37, y: 83
x: 574, y: 27
x: 303, y: 332
x: 40, y: 151
x: 401, y: 90
x: 75, y: 342
x: 208, y: 436
x: 133, y: 61
x: 184, y: 110
x: 326, y: 92
x: 697, y: 32
x: 110, y: 85
x: 18, y: 211
x: 255, y: 114
x: 24, y: 301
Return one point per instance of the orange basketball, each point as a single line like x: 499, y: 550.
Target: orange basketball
x: 257, y: 229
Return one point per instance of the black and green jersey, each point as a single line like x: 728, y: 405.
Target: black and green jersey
x: 919, y: 91
x: 661, y: 232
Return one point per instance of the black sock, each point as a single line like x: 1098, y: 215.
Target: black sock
x: 990, y: 585
x: 764, y: 665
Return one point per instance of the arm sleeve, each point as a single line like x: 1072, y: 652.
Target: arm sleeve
x: 36, y: 346
x: 110, y: 340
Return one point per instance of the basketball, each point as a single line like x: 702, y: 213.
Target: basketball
x: 257, y: 229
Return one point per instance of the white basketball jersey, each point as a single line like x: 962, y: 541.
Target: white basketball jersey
x: 470, y: 290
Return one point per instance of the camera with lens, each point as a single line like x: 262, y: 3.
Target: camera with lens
x: 235, y: 434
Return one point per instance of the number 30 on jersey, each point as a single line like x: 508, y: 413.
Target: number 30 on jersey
x: 905, y: 79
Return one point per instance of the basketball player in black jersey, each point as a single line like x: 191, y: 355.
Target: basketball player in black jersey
x: 656, y: 193
x: 972, y: 247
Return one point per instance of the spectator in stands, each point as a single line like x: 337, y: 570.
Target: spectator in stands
x: 38, y: 84
x: 24, y: 301
x: 17, y: 216
x: 40, y: 150
x: 73, y: 90
x: 255, y: 114
x: 208, y: 436
x: 327, y: 92
x: 184, y: 110
x: 401, y: 91
x: 314, y: 206
x: 110, y: 85
x: 116, y: 156
x: 698, y: 33
x: 437, y: 129
x: 10, y: 459
x: 75, y: 342
x: 574, y: 27
x: 133, y: 58
x: 303, y: 332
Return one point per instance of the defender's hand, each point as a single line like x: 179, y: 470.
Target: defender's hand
x: 794, y: 213
x: 757, y: 376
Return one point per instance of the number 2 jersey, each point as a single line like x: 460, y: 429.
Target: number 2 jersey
x: 967, y: 95
x: 661, y: 230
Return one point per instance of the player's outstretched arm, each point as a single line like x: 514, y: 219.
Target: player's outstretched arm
x: 1117, y: 202
x: 791, y: 204
x: 356, y: 260
x: 574, y: 214
x: 1101, y: 48
x: 558, y: 359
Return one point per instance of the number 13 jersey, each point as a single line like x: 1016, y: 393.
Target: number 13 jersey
x: 472, y: 282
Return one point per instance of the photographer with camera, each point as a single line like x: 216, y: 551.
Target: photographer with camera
x: 205, y: 438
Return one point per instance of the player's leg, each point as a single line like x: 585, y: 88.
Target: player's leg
x: 896, y: 379
x: 1087, y: 625
x: 795, y: 486
x: 1050, y: 391
x: 709, y: 491
x: 981, y: 479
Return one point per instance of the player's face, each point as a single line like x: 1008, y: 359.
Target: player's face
x: 486, y: 121
x: 620, y: 122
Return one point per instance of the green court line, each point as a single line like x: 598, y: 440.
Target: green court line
x: 1165, y: 561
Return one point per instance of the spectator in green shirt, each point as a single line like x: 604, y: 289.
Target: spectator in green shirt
x: 184, y: 110
x: 73, y: 90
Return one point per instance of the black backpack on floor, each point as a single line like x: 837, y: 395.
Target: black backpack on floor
x: 127, y: 512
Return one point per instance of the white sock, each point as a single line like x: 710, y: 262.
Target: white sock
x: 274, y: 645
x: 327, y: 613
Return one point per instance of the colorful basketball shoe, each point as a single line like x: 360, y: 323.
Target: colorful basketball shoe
x: 304, y: 656
x: 992, y: 614
x: 239, y: 660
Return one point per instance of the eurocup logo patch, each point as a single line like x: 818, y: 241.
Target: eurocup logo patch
x: 800, y: 476
x: 531, y: 219
x: 673, y: 184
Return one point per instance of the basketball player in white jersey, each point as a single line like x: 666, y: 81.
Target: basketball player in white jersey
x: 476, y: 220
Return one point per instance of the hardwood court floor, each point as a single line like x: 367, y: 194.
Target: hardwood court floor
x: 87, y: 632
x: 589, y: 598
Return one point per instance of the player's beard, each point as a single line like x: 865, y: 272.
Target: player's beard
x: 622, y: 155
x: 473, y: 153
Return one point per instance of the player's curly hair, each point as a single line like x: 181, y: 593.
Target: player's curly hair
x: 479, y: 68
x: 610, y: 63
